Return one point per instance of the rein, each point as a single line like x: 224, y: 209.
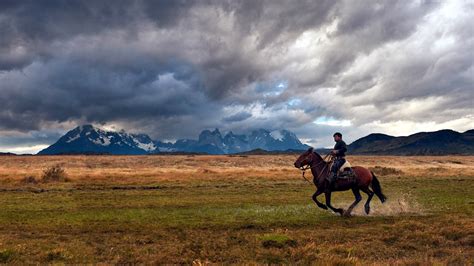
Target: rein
x: 309, y: 166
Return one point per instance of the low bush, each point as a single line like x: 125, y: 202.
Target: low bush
x: 54, y: 173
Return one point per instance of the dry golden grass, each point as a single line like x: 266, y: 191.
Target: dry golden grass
x: 149, y: 169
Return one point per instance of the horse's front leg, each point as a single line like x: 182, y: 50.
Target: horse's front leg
x: 328, y: 203
x: 315, y: 199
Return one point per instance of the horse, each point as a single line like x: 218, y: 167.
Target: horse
x: 364, y: 180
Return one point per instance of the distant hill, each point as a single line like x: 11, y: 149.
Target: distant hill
x: 88, y: 139
x: 7, y: 154
x: 442, y: 142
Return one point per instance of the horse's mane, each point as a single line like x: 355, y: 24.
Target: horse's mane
x: 326, y: 158
x: 317, y: 154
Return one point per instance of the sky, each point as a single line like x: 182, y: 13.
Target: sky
x: 171, y: 69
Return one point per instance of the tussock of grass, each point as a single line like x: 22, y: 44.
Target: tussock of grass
x: 54, y: 173
x: 57, y: 254
x: 29, y: 180
x: 6, y: 255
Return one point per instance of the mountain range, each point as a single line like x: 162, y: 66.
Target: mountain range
x: 88, y: 139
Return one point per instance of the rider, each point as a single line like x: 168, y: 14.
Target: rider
x: 339, y: 157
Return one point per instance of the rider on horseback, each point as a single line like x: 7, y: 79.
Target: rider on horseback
x: 339, y: 157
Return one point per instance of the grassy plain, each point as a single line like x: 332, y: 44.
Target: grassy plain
x: 231, y: 209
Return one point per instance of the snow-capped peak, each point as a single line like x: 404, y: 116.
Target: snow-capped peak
x: 277, y: 135
x: 144, y: 142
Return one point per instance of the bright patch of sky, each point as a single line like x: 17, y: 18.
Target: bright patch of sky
x: 24, y: 150
x: 294, y: 102
x: 329, y: 121
x: 272, y: 89
x: 404, y: 127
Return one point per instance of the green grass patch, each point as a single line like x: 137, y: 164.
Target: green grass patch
x: 277, y: 241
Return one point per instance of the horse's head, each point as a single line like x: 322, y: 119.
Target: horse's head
x: 305, y: 159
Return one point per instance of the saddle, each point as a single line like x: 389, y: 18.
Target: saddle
x: 345, y: 171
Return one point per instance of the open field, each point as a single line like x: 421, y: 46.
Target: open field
x: 231, y: 209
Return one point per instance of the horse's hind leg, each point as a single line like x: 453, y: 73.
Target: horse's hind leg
x: 328, y: 203
x: 358, y: 198
x: 315, y: 199
x: 370, y: 193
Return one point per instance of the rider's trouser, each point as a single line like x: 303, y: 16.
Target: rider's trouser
x: 338, y: 162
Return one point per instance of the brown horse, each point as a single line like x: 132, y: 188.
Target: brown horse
x: 320, y: 170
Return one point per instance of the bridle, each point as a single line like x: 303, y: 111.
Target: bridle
x: 309, y: 166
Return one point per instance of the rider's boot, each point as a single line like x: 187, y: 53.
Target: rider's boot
x: 332, y: 179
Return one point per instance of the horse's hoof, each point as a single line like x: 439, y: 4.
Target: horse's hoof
x: 340, y: 211
x: 346, y: 214
x: 367, y: 210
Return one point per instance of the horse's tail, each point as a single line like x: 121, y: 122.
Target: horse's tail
x: 377, y: 188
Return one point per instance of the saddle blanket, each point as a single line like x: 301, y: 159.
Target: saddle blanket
x: 344, y: 166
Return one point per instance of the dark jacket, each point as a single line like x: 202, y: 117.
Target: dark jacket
x: 341, y: 148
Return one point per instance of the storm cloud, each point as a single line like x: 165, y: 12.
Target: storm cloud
x: 174, y: 68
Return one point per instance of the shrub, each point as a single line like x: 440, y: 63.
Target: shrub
x: 54, y: 173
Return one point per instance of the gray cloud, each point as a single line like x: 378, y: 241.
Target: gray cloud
x: 173, y: 68
x: 241, y: 116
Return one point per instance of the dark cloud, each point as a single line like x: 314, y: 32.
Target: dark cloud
x: 12, y: 140
x: 173, y: 68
